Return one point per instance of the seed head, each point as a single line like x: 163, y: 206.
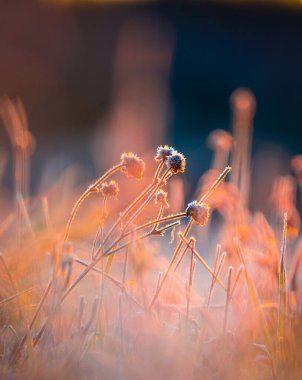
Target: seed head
x: 161, y: 198
x: 220, y: 139
x: 200, y: 212
x: 163, y: 152
x: 132, y: 165
x: 110, y: 190
x: 176, y: 162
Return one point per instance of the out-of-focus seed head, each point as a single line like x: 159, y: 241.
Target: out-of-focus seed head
x: 296, y: 164
x: 161, y: 198
x: 110, y: 189
x: 176, y: 162
x: 132, y: 165
x: 200, y: 212
x: 220, y: 139
x: 163, y: 152
x: 243, y: 99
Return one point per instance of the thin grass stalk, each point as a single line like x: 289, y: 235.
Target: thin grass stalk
x: 237, y: 278
x: 219, y: 259
x: 159, y: 216
x: 228, y: 299
x: 254, y: 296
x: 81, y: 312
x: 282, y: 283
x: 35, y: 316
x: 182, y: 255
x: 45, y: 209
x: 190, y: 283
x: 203, y: 262
x: 24, y: 214
x: 186, y: 231
x: 99, y: 230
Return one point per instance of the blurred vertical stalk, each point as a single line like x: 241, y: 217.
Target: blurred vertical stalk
x: 243, y: 105
x: 282, y: 282
x: 14, y: 119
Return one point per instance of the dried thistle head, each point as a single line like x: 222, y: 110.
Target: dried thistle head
x: 161, y: 198
x: 110, y: 189
x: 176, y: 162
x: 163, y: 152
x: 200, y: 212
x: 132, y: 165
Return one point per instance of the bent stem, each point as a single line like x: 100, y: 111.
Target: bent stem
x: 282, y: 282
x: 91, y: 189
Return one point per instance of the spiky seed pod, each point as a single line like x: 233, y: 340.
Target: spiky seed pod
x: 200, y: 212
x: 176, y: 162
x: 110, y: 190
x: 132, y: 165
x: 161, y: 198
x: 163, y: 152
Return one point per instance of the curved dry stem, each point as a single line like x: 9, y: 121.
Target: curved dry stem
x: 92, y: 188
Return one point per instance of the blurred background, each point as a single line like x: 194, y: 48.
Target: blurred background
x: 97, y: 78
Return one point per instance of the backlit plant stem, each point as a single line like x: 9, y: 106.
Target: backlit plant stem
x: 91, y: 189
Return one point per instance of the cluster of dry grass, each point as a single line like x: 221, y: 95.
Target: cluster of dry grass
x: 103, y: 297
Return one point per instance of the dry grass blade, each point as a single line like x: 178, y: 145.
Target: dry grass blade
x: 282, y: 282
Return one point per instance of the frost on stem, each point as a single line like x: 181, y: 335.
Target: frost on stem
x: 200, y: 212
x: 163, y: 152
x: 109, y: 189
x: 176, y: 162
x: 132, y: 165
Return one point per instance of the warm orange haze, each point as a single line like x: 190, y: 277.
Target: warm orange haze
x: 150, y: 190
x: 105, y: 282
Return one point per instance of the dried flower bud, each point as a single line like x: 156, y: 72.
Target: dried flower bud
x: 176, y: 162
x: 200, y: 212
x: 110, y: 190
x: 163, y: 152
x: 161, y: 198
x: 132, y: 165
